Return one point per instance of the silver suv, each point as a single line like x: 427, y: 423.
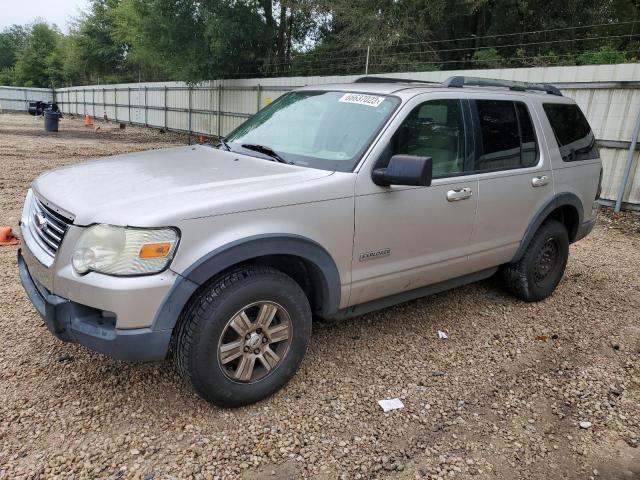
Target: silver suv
x: 333, y: 201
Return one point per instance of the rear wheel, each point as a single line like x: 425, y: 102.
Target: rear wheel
x: 244, y: 336
x: 537, y: 274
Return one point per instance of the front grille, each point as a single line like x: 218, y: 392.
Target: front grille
x: 47, y: 226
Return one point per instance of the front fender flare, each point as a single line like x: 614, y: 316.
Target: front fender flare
x: 244, y: 250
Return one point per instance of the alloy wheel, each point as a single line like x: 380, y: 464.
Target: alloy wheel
x: 254, y: 342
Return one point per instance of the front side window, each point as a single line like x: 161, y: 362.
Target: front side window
x: 323, y: 129
x: 434, y: 129
x: 506, y: 136
x: 572, y: 131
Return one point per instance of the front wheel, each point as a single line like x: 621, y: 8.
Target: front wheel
x: 244, y: 336
x: 537, y: 274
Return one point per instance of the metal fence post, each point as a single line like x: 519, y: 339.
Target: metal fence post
x: 219, y: 110
x: 627, y: 167
x: 115, y: 102
x: 104, y: 105
x: 166, y: 111
x: 145, y: 107
x: 84, y: 101
x: 189, y: 113
x: 93, y: 102
x: 366, y: 67
x: 211, y: 90
x: 258, y: 97
x: 129, y: 103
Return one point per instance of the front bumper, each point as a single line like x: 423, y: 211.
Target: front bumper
x: 96, y: 329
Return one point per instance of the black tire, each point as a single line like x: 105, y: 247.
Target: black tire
x: 205, y: 323
x: 540, y: 269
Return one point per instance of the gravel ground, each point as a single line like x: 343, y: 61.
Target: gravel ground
x: 502, y: 398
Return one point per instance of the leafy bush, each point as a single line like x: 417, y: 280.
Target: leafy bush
x: 488, y: 58
x: 604, y: 56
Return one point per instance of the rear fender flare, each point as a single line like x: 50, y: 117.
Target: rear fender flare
x: 559, y: 200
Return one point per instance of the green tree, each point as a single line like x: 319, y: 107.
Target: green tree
x: 194, y: 40
x: 12, y: 40
x: 408, y: 34
x: 33, y: 66
x: 162, y: 38
x: 95, y: 52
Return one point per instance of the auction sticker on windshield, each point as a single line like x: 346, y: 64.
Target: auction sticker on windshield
x: 362, y: 99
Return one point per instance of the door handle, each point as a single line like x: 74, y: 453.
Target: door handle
x: 460, y: 194
x: 540, y: 181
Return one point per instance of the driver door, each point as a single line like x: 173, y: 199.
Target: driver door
x: 408, y: 237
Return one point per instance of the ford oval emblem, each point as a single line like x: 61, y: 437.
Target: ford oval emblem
x: 40, y: 220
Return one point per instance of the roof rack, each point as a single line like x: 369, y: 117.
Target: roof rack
x: 459, y: 82
x: 373, y: 79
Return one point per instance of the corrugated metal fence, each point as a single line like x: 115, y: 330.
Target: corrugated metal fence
x: 204, y: 109
x: 16, y: 99
x: 608, y: 94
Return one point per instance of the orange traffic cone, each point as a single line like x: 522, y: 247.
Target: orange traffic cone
x: 6, y: 237
x: 87, y: 120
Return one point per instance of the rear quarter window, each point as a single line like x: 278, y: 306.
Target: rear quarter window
x: 572, y: 132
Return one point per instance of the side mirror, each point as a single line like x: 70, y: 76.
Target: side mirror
x: 405, y: 170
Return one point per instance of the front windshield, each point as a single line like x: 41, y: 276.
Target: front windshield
x: 327, y: 130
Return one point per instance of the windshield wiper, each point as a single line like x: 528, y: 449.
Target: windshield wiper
x: 266, y: 150
x: 224, y: 144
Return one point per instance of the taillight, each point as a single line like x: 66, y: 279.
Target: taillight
x: 599, y: 185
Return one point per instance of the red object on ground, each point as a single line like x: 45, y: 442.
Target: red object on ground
x: 6, y: 237
x: 87, y: 120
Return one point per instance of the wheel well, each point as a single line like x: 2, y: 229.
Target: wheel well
x: 301, y: 270
x: 304, y: 272
x: 568, y: 216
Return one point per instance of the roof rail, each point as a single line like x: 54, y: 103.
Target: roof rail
x: 459, y: 82
x: 373, y: 79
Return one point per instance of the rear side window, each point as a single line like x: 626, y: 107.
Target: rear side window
x: 572, y: 131
x: 506, y: 136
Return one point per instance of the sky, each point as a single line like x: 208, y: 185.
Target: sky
x: 51, y: 11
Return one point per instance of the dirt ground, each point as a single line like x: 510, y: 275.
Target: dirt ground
x: 502, y: 398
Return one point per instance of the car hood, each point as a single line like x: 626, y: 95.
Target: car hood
x: 159, y: 187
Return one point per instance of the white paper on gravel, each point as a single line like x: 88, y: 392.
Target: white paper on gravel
x: 390, y: 404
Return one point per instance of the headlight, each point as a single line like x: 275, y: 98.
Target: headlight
x: 124, y: 251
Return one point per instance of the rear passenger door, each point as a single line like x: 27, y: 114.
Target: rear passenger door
x: 514, y: 176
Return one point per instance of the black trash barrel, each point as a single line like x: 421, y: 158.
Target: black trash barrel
x: 33, y: 108
x: 51, y: 120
